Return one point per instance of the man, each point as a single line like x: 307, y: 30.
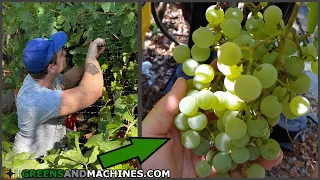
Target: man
x: 47, y: 95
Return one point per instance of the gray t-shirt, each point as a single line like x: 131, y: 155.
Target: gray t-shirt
x: 38, y: 122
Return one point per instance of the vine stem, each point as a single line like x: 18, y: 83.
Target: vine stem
x: 303, y: 37
x: 297, y: 42
x: 287, y: 30
x: 212, y: 136
x: 287, y: 129
x: 284, y: 85
x: 265, y: 41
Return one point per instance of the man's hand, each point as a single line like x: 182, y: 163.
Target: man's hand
x: 173, y: 155
x: 94, y: 49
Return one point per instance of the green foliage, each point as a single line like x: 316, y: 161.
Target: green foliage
x: 83, y: 22
x: 312, y: 16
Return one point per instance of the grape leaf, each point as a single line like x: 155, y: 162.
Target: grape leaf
x: 100, y: 141
x: 92, y: 155
x: 312, y: 16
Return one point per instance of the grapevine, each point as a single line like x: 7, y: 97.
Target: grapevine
x: 116, y: 120
x: 259, y: 75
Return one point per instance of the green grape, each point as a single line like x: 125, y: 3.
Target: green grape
x: 279, y: 92
x: 235, y: 128
x: 240, y: 155
x: 247, y: 87
x: 231, y: 28
x: 223, y: 142
x: 242, y: 142
x: 257, y: 127
x: 244, y: 32
x: 229, y: 115
x: 194, y: 93
x: 301, y: 84
x: 286, y: 110
x: 217, y: 36
x: 198, y: 121
x: 254, y: 152
x: 255, y: 171
x: 267, y: 75
x: 270, y: 106
x: 272, y: 14
x: 200, y: 86
x: 234, y: 13
x: 253, y: 25
x: 266, y: 136
x: 205, y: 99
x: 202, y: 148
x: 310, y: 52
x: 229, y: 84
x: 181, y: 122
x: 260, y: 34
x: 204, y: 73
x: 190, y: 84
x: 218, y: 105
x: 188, y: 106
x: 219, y: 113
x: 314, y: 67
x: 213, y: 15
x: 181, y: 53
x: 234, y: 166
x: 294, y: 65
x: 264, y: 4
x: 200, y: 54
x: 222, y: 162
x: 221, y: 175
x: 290, y: 47
x: 230, y: 71
x: 190, y: 139
x: 273, y: 29
x: 209, y: 156
x: 270, y: 57
x: 273, y: 121
x: 231, y: 101
x: 269, y: 90
x: 202, y: 37
x: 259, y: 15
x: 270, y: 150
x: 189, y: 66
x: 299, y: 106
x: 220, y: 125
x: 259, y: 52
x: 229, y: 54
x: 244, y: 41
x: 203, y: 169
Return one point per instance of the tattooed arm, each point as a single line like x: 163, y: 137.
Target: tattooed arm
x: 90, y: 86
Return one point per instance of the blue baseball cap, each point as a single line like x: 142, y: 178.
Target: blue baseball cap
x: 39, y: 51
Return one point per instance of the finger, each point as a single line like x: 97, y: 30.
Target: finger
x: 160, y: 118
x: 101, y: 50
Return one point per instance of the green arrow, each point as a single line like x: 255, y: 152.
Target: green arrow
x: 140, y: 147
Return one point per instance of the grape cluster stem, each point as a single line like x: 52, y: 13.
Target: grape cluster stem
x: 287, y: 30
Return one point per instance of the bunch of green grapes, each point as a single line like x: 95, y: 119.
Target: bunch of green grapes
x: 259, y: 75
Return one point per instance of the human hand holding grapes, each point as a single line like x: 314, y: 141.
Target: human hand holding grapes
x: 173, y: 155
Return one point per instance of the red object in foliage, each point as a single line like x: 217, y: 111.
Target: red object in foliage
x: 71, y: 121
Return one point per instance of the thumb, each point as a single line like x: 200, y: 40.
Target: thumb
x: 160, y: 118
